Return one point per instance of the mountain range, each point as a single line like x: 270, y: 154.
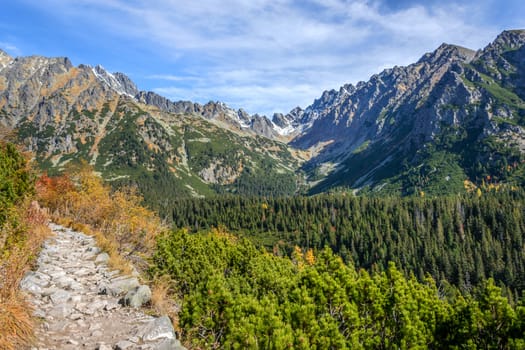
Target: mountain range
x: 454, y: 115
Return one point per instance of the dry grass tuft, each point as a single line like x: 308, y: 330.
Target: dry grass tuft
x: 161, y: 302
x: 16, y: 323
x: 19, y: 252
x: 117, y: 262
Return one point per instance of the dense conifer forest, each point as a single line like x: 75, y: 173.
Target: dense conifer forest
x: 461, y: 239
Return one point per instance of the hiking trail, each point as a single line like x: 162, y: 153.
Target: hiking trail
x: 80, y: 300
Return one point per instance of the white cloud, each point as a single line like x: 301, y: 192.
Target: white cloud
x: 171, y: 77
x: 250, y: 97
x: 268, y: 55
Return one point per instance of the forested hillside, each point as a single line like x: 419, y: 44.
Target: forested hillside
x: 463, y: 239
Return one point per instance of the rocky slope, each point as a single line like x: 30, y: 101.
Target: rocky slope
x: 79, y: 300
x: 64, y: 113
x: 454, y: 114
x: 218, y: 113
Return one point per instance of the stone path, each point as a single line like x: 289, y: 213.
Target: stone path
x: 79, y: 300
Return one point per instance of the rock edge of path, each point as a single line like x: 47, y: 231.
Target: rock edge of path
x: 79, y: 300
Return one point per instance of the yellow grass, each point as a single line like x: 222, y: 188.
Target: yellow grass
x: 26, y: 237
x: 16, y: 324
x: 161, y: 302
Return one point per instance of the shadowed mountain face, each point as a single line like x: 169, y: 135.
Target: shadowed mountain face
x: 455, y: 114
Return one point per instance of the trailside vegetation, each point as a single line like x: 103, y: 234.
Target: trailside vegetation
x: 121, y: 224
x: 22, y: 230
x: 236, y: 296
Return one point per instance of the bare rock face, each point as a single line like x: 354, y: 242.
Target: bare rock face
x: 5, y: 59
x: 126, y: 84
x: 355, y: 113
x: 77, y: 315
x: 217, y: 173
x: 263, y: 126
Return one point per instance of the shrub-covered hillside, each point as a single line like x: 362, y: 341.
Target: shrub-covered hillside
x: 235, y: 296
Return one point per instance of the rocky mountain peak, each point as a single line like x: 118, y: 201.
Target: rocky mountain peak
x: 290, y: 123
x: 4, y: 59
x: 509, y: 40
x: 128, y: 85
x: 34, y: 64
x: 495, y: 54
x: 447, y: 52
x: 118, y: 81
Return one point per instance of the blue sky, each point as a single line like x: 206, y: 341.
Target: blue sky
x: 263, y: 56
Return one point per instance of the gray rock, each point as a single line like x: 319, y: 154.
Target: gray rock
x: 55, y: 275
x: 39, y: 313
x: 76, y: 298
x: 170, y: 344
x: 60, y: 296
x: 34, y: 282
x: 94, y: 250
x: 61, y: 311
x: 49, y: 291
x: 157, y: 329
x: 76, y: 316
x: 94, y: 327
x: 103, y: 346
x: 123, y: 345
x: 76, y: 286
x: 119, y: 286
x: 137, y: 297
x: 82, y: 272
x: 31, y: 287
x: 42, y: 278
x: 64, y: 282
x: 103, y: 289
x: 97, y: 334
x: 92, y: 308
x: 102, y: 258
x: 57, y: 326
x: 98, y: 305
x: 111, y: 305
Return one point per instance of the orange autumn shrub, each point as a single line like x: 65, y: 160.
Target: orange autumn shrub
x: 82, y: 197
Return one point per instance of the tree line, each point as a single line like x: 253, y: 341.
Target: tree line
x: 461, y: 239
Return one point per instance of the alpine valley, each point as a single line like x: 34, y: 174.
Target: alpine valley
x: 454, y: 115
x: 385, y: 215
